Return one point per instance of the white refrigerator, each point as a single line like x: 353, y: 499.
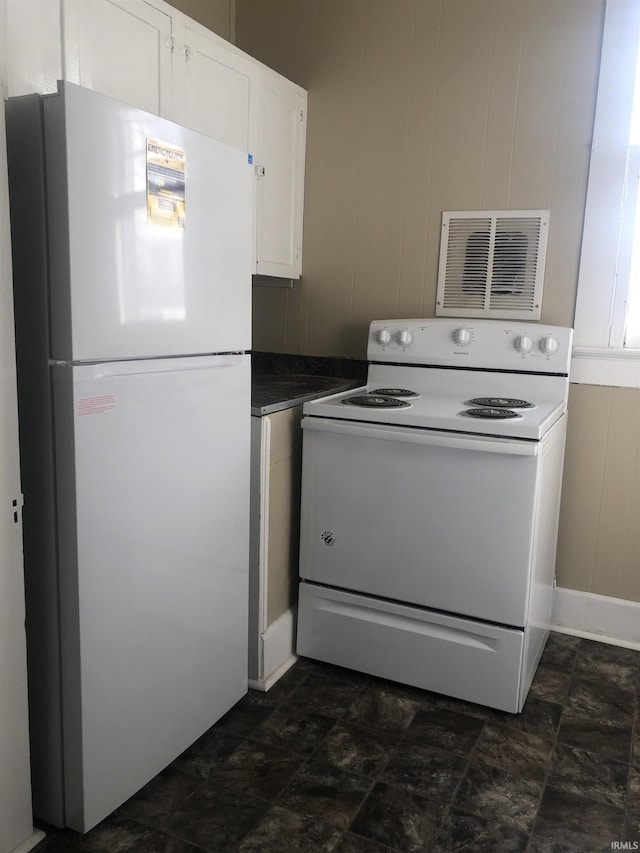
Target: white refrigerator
x: 132, y: 265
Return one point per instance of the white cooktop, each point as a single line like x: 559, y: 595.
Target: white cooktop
x: 447, y: 363
x: 444, y: 413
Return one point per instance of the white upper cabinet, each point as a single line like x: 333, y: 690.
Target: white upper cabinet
x: 280, y: 170
x: 151, y: 56
x: 218, y: 89
x: 121, y: 48
x: 34, y: 47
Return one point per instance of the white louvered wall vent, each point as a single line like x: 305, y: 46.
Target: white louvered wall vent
x: 492, y: 263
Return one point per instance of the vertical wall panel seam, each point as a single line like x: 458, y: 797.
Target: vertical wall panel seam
x: 633, y: 466
x: 281, y: 29
x: 602, y: 472
x: 561, y: 99
x: 489, y: 87
x: 410, y: 99
x: 433, y: 133
x: 592, y: 121
x: 359, y: 160
x: 613, y: 571
x: 232, y: 21
x: 635, y: 489
x: 285, y: 342
x: 517, y: 98
x: 305, y: 335
x: 282, y: 41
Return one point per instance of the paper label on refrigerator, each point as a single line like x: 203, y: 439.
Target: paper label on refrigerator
x: 165, y: 184
x: 96, y: 405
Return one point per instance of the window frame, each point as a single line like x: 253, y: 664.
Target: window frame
x: 599, y: 355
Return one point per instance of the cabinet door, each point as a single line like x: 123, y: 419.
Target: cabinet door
x: 219, y: 90
x: 281, y: 157
x: 121, y: 48
x: 33, y: 49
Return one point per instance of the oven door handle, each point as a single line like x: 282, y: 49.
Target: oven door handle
x: 419, y: 436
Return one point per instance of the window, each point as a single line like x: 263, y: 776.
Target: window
x: 631, y: 331
x: 607, y: 320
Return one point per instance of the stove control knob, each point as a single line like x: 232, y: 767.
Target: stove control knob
x: 524, y: 343
x: 405, y: 338
x: 383, y: 336
x: 462, y: 335
x: 548, y: 345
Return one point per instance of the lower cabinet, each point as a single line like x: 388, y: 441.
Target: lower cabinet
x: 276, y: 464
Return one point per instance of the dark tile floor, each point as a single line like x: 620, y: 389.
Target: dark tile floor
x: 331, y: 760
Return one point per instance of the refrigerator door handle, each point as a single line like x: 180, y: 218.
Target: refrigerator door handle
x: 103, y: 370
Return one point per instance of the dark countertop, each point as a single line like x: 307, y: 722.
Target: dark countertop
x: 282, y: 380
x: 277, y: 391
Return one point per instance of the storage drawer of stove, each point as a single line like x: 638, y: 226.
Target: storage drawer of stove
x: 457, y: 657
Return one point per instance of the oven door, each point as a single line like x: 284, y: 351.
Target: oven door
x: 435, y: 519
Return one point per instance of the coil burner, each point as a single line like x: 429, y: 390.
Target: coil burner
x: 500, y: 403
x: 376, y: 401
x: 490, y: 413
x: 395, y: 392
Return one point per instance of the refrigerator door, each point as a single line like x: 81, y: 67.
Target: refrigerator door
x: 150, y: 233
x: 153, y: 527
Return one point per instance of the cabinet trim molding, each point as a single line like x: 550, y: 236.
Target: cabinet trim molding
x: 277, y: 651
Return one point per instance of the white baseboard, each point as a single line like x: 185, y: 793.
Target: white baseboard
x: 597, y: 617
x: 266, y: 684
x: 29, y: 843
x: 277, y: 651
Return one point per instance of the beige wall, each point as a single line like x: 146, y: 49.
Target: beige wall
x: 285, y: 462
x: 419, y: 107
x: 215, y: 15
x: 599, y: 541
x: 415, y: 107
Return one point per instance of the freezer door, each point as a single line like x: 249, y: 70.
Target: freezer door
x: 150, y: 233
x: 153, y: 504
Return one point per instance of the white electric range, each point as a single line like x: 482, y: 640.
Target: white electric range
x: 430, y: 501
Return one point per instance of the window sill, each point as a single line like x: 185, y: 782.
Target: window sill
x: 606, y: 366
